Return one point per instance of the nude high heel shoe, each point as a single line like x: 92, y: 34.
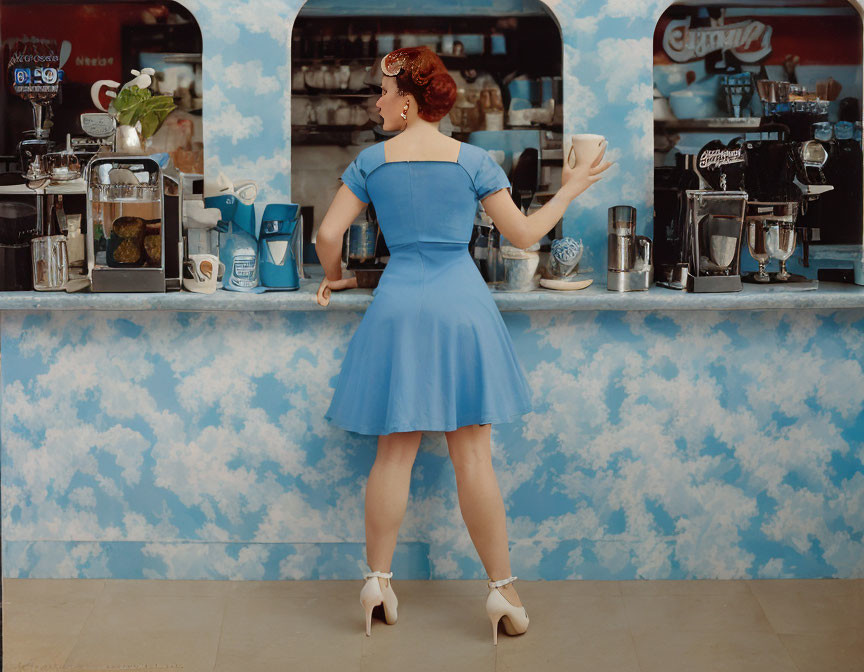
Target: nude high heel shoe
x: 372, y: 595
x: 498, y: 608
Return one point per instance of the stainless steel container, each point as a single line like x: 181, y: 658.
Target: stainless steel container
x: 50, y: 263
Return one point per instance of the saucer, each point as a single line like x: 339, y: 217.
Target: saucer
x: 565, y: 284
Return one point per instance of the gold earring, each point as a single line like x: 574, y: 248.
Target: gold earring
x: 404, y: 111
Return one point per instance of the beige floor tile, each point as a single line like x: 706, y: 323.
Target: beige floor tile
x: 683, y: 587
x: 478, y: 590
x: 42, y: 618
x: 551, y: 590
x: 582, y: 613
x: 813, y: 586
x: 422, y: 589
x: 555, y: 643
x: 145, y: 630
x: 35, y: 588
x: 810, y: 606
x: 835, y: 651
x: 282, y: 590
x: 264, y: 631
x: 670, y: 650
x: 442, y: 633
x: 179, y: 588
x: 679, y: 613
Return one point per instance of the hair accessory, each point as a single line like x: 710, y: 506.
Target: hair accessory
x: 392, y: 64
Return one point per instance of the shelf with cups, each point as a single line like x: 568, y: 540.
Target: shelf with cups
x: 325, y: 93
x: 502, y: 62
x: 324, y: 134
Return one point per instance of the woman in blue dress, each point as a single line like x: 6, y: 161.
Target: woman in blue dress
x: 432, y: 352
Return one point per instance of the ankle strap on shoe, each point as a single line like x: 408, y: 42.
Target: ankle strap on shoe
x: 383, y: 575
x: 502, y: 582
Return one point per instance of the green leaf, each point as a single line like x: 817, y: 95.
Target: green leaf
x: 158, y: 108
x: 135, y: 104
x: 125, y: 116
x: 131, y: 97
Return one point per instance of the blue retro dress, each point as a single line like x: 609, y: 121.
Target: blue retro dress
x: 432, y: 351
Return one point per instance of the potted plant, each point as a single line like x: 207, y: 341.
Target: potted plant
x: 138, y: 113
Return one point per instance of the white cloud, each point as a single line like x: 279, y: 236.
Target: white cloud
x: 626, y: 66
x: 247, y: 75
x: 635, y: 9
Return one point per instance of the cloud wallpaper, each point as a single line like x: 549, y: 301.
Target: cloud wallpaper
x: 673, y: 445
x: 664, y: 445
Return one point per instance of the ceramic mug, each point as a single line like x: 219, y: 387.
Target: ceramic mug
x: 206, y: 270
x: 584, y: 148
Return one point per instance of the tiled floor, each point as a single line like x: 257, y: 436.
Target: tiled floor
x: 601, y: 626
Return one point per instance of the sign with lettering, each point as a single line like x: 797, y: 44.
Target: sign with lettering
x: 750, y: 41
x: 722, y: 166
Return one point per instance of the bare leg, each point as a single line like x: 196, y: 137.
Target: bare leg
x: 480, y: 501
x: 387, y: 497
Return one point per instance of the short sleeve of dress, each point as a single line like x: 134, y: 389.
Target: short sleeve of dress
x: 490, y: 177
x: 355, y: 180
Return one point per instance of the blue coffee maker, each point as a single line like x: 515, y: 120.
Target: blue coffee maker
x: 238, y: 249
x: 277, y: 247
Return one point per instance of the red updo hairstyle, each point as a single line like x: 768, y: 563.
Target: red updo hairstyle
x: 423, y: 75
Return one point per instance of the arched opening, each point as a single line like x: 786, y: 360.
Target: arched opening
x: 753, y: 76
x: 507, y: 69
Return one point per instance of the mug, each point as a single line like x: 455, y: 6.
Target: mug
x: 584, y: 148
x: 206, y: 269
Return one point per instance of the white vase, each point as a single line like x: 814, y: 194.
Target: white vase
x: 128, y: 139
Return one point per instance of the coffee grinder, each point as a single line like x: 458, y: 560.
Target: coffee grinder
x: 628, y: 269
x: 715, y: 219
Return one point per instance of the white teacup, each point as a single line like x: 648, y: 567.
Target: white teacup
x: 584, y: 148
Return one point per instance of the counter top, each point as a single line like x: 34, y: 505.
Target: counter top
x: 595, y: 297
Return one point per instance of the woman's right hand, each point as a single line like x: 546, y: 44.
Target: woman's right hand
x: 576, y: 180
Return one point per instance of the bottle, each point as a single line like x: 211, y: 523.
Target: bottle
x: 75, y: 241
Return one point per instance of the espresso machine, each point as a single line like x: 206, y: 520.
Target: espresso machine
x: 836, y: 220
x: 630, y: 257
x: 784, y: 179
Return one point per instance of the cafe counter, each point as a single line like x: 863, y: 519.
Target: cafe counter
x: 596, y: 297
x: 673, y: 436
